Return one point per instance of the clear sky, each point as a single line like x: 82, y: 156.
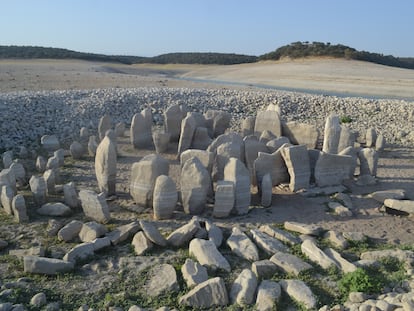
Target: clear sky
x: 254, y: 27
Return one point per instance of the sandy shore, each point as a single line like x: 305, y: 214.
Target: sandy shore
x: 325, y: 76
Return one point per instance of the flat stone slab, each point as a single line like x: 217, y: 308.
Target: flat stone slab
x: 242, y: 246
x: 122, y: 233
x: 268, y: 295
x: 300, y: 292
x: 303, y: 228
x: 208, y: 294
x: 402, y: 255
x: 183, y: 234
x: 339, y: 209
x: 193, y: 273
x: 140, y: 243
x: 80, y: 252
x: 244, y: 287
x: 406, y: 206
x: 315, y: 254
x: 152, y: 233
x: 207, y: 254
x: 267, y: 243
x: 341, y: 262
x: 381, y: 196
x: 264, y: 269
x: 49, y: 266
x: 279, y: 234
x: 163, y: 279
x: 289, y: 263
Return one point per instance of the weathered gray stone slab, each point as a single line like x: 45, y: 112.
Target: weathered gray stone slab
x: 406, y: 206
x: 275, y: 144
x: 70, y: 195
x: 201, y: 139
x: 302, y: 228
x: 402, y: 255
x: 381, y: 196
x: 19, y: 209
x: 165, y: 197
x: 38, y: 188
x: 49, y: 266
x: 214, y: 233
x: 105, y: 124
x: 120, y: 129
x: 220, y: 121
x: 70, y: 231
x: 208, y: 294
x: 40, y: 164
x: 298, y: 165
x: 206, y: 253
x: 370, y: 137
x: 300, y: 292
x: 50, y: 143
x: 368, y: 158
x: 268, y: 295
x: 228, y: 138
x: 49, y: 176
x: 380, y: 142
x: 19, y: 172
x: 100, y: 243
x: 143, y: 176
x: 244, y: 288
x: 224, y: 199
x: 279, y: 234
x: 92, y: 146
x: 267, y: 243
x: 266, y: 191
x: 94, y: 206
x: 152, y: 233
x: 123, y: 232
x: 242, y: 246
x: 7, y: 158
x: 247, y: 126
x: 80, y: 252
x: 301, y: 133
x: 193, y: 273
x: 336, y: 238
x: 264, y: 269
x: 183, y: 234
x: 341, y: 262
x: 339, y: 209
x: 140, y: 131
x: 6, y: 198
x: 162, y: 280
x: 332, y: 169
x: 173, y: 116
x: 7, y: 177
x: 141, y: 243
x: 76, y: 150
x: 332, y: 134
x: 347, y: 138
x: 252, y: 147
x: 195, y: 185
x: 188, y: 127
x: 315, y: 254
x: 223, y: 154
x: 105, y: 166
x: 289, y: 263
x: 91, y: 230
x: 266, y: 136
x: 54, y: 209
x: 206, y: 158
x: 161, y: 141
x: 268, y: 120
x: 236, y: 172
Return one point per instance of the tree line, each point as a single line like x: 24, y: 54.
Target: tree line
x: 293, y: 50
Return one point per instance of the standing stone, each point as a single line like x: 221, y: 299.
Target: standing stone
x: 353, y: 152
x: 7, y: 158
x: 224, y: 199
x: 188, y: 127
x: 49, y: 177
x: 143, y: 176
x: 19, y: 209
x: 201, y: 139
x: 7, y: 177
x: 60, y: 156
x: 332, y: 134
x: 275, y: 144
x: 247, y: 126
x: 193, y: 273
x: 266, y: 136
x: 120, y: 129
x: 94, y: 206
x: 266, y: 191
x: 76, y: 150
x: 53, y: 163
x: 301, y: 133
x: 370, y: 137
x: 332, y: 169
x: 220, y: 121
x: 195, y: 184
x: 252, y: 147
x: 92, y: 145
x: 50, y: 143
x: 223, y: 153
x: 236, y: 172
x: 6, y: 198
x: 207, y: 254
x: 243, y: 288
x: 40, y: 164
x: 173, y: 117
x: 105, y: 123
x: 161, y: 141
x: 165, y: 197
x: 314, y: 155
x: 38, y: 187
x: 297, y: 162
x: 368, y: 159
x: 242, y: 246
x: 23, y: 152
x: 272, y: 164
x: 84, y: 134
x: 268, y: 120
x: 207, y: 295
x: 19, y: 172
x: 70, y: 196
x: 380, y: 143
x: 346, y: 139
x: 206, y: 158
x: 105, y: 166
x: 268, y: 295
x: 141, y: 135
x: 231, y: 137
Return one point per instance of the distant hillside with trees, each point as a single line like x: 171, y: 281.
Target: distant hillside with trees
x: 293, y: 50
x: 318, y: 49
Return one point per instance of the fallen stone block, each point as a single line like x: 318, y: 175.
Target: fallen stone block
x: 406, y: 206
x: 244, y: 288
x: 206, y: 253
x: 122, y: 233
x: 264, y: 269
x: 279, y: 234
x: 242, y: 246
x: 315, y: 254
x: 300, y: 292
x: 209, y: 294
x: 141, y: 243
x: 94, y: 206
x: 162, y: 280
x: 152, y: 233
x: 54, y: 209
x: 289, y: 263
x: 80, y: 252
x: 268, y: 295
x: 49, y: 266
x: 302, y: 228
x: 193, y: 273
x: 381, y: 196
x: 184, y: 234
x: 267, y: 243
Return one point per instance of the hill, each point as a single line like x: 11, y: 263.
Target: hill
x: 317, y: 49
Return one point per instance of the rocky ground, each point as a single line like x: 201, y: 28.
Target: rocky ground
x: 117, y: 278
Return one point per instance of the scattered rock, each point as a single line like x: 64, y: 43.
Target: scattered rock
x: 193, y: 273
x: 43, y: 265
x: 242, y: 246
x: 268, y: 295
x: 152, y: 233
x: 243, y: 288
x: 54, y: 209
x: 206, y: 253
x: 163, y: 279
x: 141, y: 244
x: 299, y: 291
x: 94, y: 206
x: 289, y: 263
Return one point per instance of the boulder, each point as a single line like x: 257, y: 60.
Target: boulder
x: 162, y: 280
x: 381, y: 196
x: 70, y: 195
x: 268, y: 295
x: 54, y: 209
x: 76, y: 150
x: 206, y: 158
x: 406, y: 206
x: 243, y: 289
x: 336, y: 238
x: 141, y: 243
x: 206, y: 253
x: 94, y: 206
x: 123, y: 232
x: 19, y: 209
x: 209, y: 294
x: 152, y: 233
x: 38, y: 188
x: 70, y: 231
x: 183, y: 234
x: 105, y: 166
x: 50, y: 143
x: 268, y: 120
x: 264, y: 269
x: 91, y: 230
x: 80, y: 252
